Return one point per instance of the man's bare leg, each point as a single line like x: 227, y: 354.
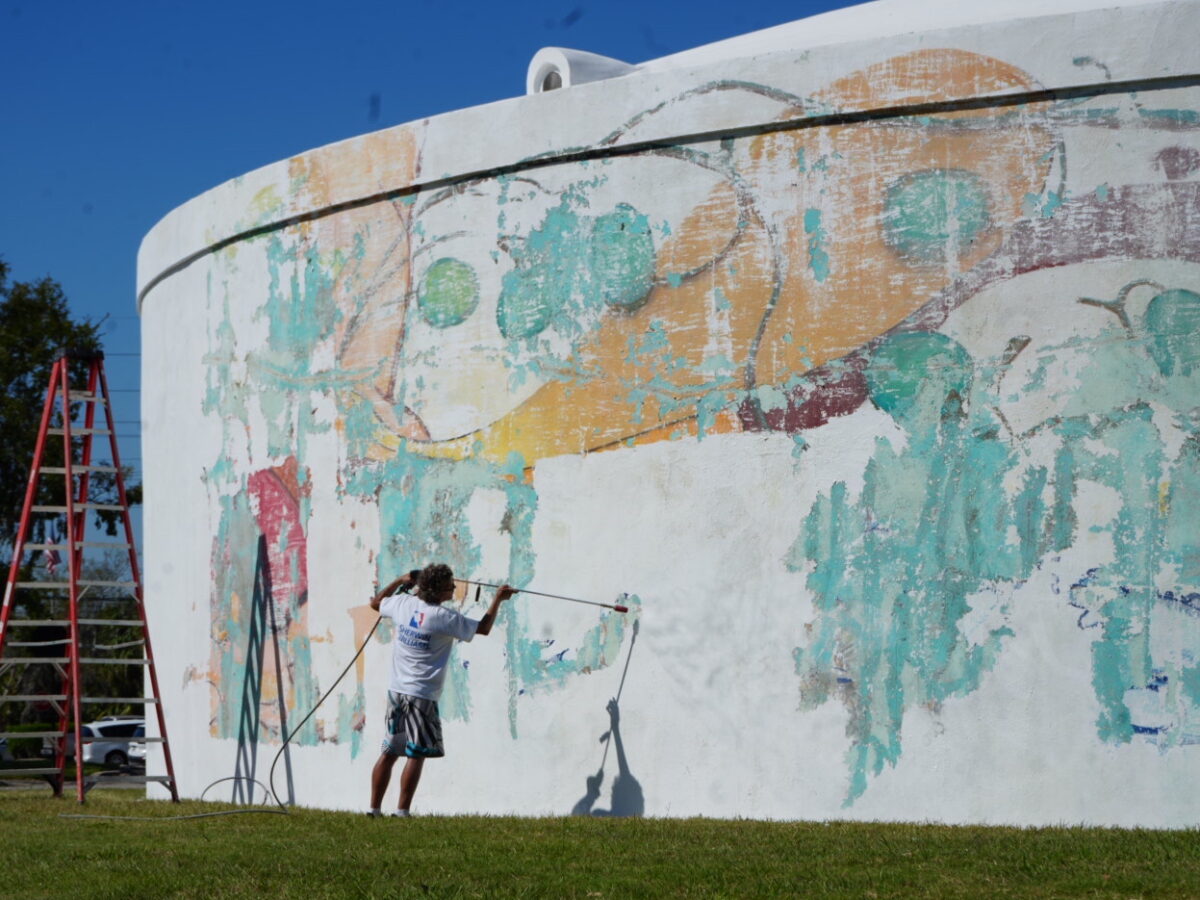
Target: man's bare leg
x: 380, y: 776
x: 409, y: 779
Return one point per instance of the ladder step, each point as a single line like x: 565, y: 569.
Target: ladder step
x: 62, y: 470
x: 108, y: 545
x: 63, y: 585
x: 113, y: 662
x: 58, y: 734
x: 124, y: 700
x: 31, y: 698
x: 17, y: 773
x: 103, y: 431
x: 31, y: 660
x: 122, y: 622
x: 85, y: 396
x: 110, y: 507
x: 100, y: 781
x: 57, y: 643
x: 64, y: 623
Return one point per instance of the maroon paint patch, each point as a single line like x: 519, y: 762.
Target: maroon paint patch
x: 823, y: 394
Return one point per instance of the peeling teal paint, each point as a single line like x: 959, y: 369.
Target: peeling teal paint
x: 951, y: 506
x: 957, y: 509
x: 896, y: 565
x: 573, y: 266
x: 935, y: 214
x: 422, y: 507
x: 1178, y: 117
x: 350, y: 721
x: 455, y: 704
x: 818, y: 259
x: 533, y: 666
x: 1043, y: 205
x: 234, y: 571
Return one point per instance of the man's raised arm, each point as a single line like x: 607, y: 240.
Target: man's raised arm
x: 404, y: 582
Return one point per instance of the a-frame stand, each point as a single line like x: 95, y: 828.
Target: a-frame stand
x: 46, y: 624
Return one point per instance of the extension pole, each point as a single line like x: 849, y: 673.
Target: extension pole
x: 616, y: 606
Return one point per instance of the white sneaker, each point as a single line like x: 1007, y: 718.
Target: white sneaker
x: 374, y: 814
x: 399, y: 814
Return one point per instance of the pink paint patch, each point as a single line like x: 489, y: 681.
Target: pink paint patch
x: 275, y: 494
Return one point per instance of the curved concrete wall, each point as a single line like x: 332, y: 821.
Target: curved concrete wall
x: 868, y: 370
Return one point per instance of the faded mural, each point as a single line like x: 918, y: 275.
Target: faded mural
x: 1026, y: 316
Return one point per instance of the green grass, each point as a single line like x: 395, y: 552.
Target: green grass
x: 325, y: 854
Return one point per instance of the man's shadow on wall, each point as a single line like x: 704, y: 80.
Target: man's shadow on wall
x: 626, y: 798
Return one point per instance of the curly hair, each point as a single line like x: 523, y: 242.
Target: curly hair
x: 435, y: 579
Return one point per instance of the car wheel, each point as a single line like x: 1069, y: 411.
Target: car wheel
x: 115, y: 758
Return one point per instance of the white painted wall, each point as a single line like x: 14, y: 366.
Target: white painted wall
x: 754, y: 679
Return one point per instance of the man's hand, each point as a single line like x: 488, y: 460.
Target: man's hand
x: 489, y: 617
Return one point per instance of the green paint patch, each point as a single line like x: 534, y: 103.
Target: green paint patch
x: 622, y: 258
x: 572, y: 267
x: 1173, y: 326
x: 1189, y: 678
x: 909, y: 367
x: 448, y: 294
x: 937, y: 214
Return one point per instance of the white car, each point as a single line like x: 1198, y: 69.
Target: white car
x: 110, y: 740
x: 137, y: 748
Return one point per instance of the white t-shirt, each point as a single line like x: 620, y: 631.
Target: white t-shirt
x: 425, y: 634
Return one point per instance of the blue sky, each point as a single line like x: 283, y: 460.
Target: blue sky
x: 116, y: 113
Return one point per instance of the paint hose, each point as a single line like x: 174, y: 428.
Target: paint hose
x: 282, y: 810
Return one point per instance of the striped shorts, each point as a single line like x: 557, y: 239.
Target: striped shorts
x: 414, y: 727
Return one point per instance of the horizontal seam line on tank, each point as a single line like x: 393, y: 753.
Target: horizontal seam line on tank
x: 593, y: 153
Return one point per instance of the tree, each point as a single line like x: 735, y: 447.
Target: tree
x: 36, y: 328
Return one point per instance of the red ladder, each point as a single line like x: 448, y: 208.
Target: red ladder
x: 72, y: 414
